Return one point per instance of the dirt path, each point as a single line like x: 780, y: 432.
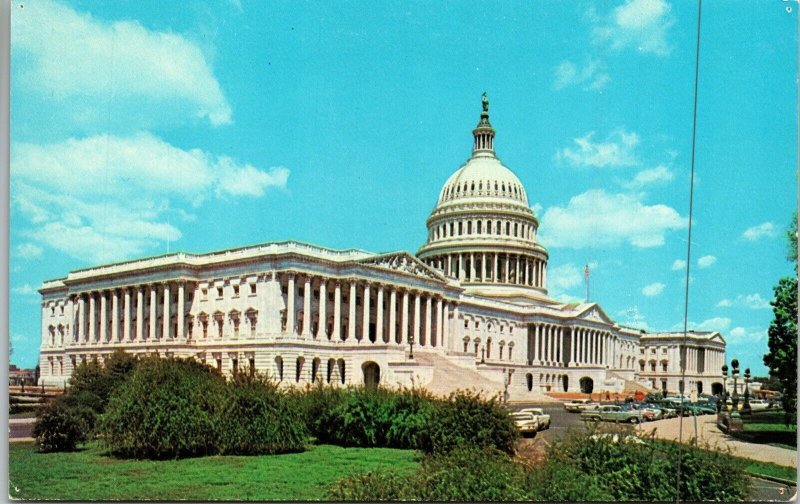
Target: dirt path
x: 707, y: 432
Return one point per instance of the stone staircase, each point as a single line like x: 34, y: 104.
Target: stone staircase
x: 449, y: 377
x: 632, y: 385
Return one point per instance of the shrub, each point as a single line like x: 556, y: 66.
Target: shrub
x: 463, y: 474
x: 166, y: 409
x: 318, y: 404
x: 629, y: 467
x: 467, y: 418
x: 59, y: 427
x: 361, y: 417
x: 256, y: 418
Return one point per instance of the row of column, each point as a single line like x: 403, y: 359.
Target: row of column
x: 454, y: 229
x: 401, y: 316
x: 93, y: 324
x: 493, y: 267
x: 586, y: 346
x: 697, y: 360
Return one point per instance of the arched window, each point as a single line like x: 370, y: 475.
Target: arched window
x: 278, y: 367
x: 298, y: 369
x: 479, y: 227
x: 499, y: 227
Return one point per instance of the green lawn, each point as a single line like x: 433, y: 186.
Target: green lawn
x: 774, y: 470
x: 92, y: 475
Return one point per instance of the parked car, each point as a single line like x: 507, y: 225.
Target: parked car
x: 759, y: 405
x: 578, y: 405
x: 612, y: 413
x: 652, y: 411
x: 526, y: 422
x: 542, y: 418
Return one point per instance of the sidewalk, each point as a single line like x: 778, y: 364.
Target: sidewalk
x: 707, y: 432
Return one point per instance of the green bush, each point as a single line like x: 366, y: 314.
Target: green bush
x: 166, y: 409
x: 361, y: 417
x: 629, y: 467
x: 467, y: 418
x: 463, y: 474
x: 59, y: 427
x: 256, y: 418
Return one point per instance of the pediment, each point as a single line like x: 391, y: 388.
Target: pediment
x: 594, y: 313
x: 403, y: 262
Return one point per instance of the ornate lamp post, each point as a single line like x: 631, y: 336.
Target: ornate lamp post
x: 735, y: 374
x: 746, y: 407
x: 410, y: 346
x: 722, y: 404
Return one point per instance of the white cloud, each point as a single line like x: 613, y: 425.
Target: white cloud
x: 563, y: 277
x: 105, y: 198
x: 615, y: 150
x: 24, y: 289
x: 752, y: 301
x: 659, y: 175
x: 713, y: 324
x: 28, y: 251
x: 654, y: 289
x: 596, y: 218
x: 706, y: 261
x: 763, y: 230
x: 592, y: 75
x: 65, y: 54
x: 678, y: 265
x: 742, y: 335
x: 641, y: 24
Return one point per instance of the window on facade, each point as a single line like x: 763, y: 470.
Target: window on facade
x: 235, y: 366
x: 479, y: 227
x: 460, y: 228
x: 664, y: 366
x: 252, y: 366
x: 219, y: 292
x: 236, y: 290
x: 253, y: 289
x: 653, y: 367
x: 219, y: 364
x: 203, y: 294
x: 641, y: 366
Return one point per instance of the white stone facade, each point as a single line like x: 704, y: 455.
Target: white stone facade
x: 473, y: 303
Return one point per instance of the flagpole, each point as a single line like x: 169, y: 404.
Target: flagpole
x: 586, y: 275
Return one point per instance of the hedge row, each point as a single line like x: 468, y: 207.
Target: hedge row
x: 580, y: 469
x: 167, y: 408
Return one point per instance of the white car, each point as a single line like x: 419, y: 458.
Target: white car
x: 526, y: 422
x: 578, y: 405
x: 542, y: 418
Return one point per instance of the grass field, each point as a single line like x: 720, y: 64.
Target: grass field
x: 92, y: 475
x: 767, y: 469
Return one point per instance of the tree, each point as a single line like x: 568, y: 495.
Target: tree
x: 782, y: 356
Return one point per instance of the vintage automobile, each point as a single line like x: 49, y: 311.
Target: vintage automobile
x: 526, y: 422
x: 542, y: 418
x: 578, y: 405
x: 612, y: 413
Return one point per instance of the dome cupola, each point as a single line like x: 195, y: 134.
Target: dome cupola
x: 482, y: 230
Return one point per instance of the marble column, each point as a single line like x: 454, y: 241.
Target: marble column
x: 337, y: 311
x: 322, y: 320
x: 181, y: 308
x: 365, y: 313
x: 393, y: 315
x: 439, y: 320
x: 561, y: 345
x: 114, y: 315
x: 91, y: 317
x: 126, y: 316
x: 428, y: 320
x: 167, y: 302
x: 290, y: 300
x: 139, y: 314
x: 153, y: 316
x: 404, y: 319
x: 494, y: 268
x: 379, y: 322
x: 81, y: 332
x: 307, y: 295
x: 417, y: 321
x: 351, y: 318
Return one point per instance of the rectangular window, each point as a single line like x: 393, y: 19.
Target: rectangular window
x: 235, y: 291
x: 219, y: 292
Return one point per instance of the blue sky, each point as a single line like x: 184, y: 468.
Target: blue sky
x: 141, y: 127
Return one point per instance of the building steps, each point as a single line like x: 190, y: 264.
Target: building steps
x: 449, y: 377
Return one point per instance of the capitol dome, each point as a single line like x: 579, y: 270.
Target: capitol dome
x: 482, y: 230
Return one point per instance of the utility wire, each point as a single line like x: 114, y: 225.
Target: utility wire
x: 684, y: 352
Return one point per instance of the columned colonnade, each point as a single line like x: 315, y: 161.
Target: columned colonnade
x: 493, y: 267
x: 363, y: 311
x: 546, y: 346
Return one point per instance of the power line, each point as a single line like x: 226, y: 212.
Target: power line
x: 683, y: 352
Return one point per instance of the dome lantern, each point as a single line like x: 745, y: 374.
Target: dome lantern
x: 483, y: 132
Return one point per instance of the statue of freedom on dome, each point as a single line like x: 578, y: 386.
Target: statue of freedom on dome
x: 485, y: 101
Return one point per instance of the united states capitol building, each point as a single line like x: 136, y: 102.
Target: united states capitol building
x: 469, y: 310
